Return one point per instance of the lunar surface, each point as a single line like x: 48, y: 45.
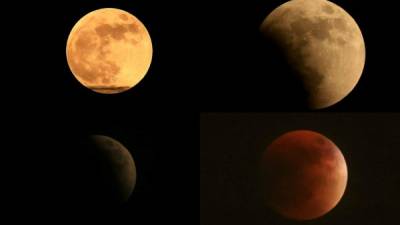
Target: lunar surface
x: 322, y: 44
x: 109, y: 50
x: 114, y: 171
x: 304, y: 175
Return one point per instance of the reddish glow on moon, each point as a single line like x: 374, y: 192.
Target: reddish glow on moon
x: 304, y: 174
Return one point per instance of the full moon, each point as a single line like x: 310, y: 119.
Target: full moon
x: 109, y: 50
x: 304, y: 175
x: 323, y: 46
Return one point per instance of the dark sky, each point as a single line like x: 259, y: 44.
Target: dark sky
x: 230, y: 149
x: 45, y: 109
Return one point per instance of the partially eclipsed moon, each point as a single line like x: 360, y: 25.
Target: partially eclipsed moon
x: 304, y: 175
x: 109, y: 50
x: 115, y: 168
x: 323, y: 45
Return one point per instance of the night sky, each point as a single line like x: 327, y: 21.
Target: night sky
x: 231, y: 145
x: 46, y: 109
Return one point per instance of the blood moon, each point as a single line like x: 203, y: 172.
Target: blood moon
x: 304, y: 175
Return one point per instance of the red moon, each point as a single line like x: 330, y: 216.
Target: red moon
x: 304, y: 175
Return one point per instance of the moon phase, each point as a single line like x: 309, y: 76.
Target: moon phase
x: 304, y: 175
x: 322, y: 44
x: 109, y: 171
x: 109, y: 50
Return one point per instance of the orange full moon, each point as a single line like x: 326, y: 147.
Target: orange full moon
x: 109, y: 50
x: 304, y: 175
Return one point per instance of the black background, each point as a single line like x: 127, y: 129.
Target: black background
x: 45, y: 109
x: 231, y: 145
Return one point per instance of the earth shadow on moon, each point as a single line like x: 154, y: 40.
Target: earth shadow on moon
x: 96, y: 171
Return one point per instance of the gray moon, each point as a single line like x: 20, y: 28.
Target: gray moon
x: 116, y: 168
x: 304, y: 175
x: 322, y: 44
